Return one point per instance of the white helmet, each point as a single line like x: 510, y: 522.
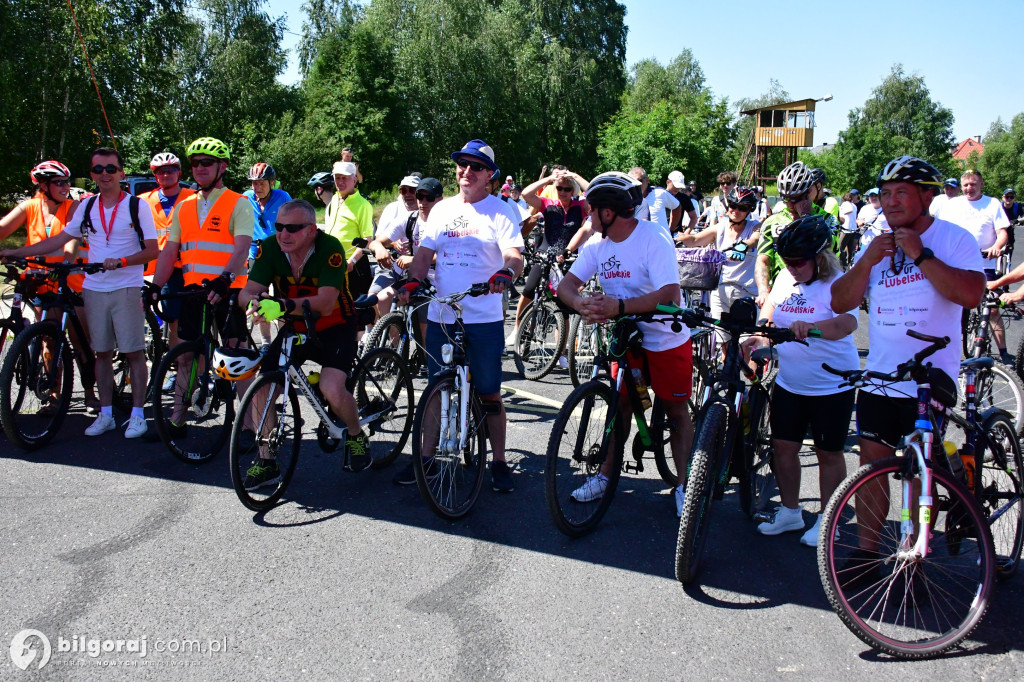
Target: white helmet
x: 164, y: 159
x: 236, y: 364
x: 795, y: 179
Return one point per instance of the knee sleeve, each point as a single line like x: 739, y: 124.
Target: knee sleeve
x: 490, y: 407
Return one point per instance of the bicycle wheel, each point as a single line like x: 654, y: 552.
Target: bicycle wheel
x: 585, y: 434
x: 276, y: 436
x: 539, y: 340
x: 7, y: 334
x: 708, y: 446
x: 383, y: 393
x: 969, y: 321
x: 1000, y: 492
x: 583, y: 344
x: 757, y: 486
x: 193, y: 415
x: 389, y: 332
x: 660, y: 446
x: 35, y: 386
x: 998, y: 387
x: 449, y: 476
x: 906, y: 607
x: 1018, y: 360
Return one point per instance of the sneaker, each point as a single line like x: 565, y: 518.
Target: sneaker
x: 501, y: 478
x: 358, y: 452
x: 103, y: 423
x: 680, y: 495
x: 169, y: 381
x: 1005, y: 357
x: 563, y: 362
x: 810, y: 537
x: 136, y: 428
x: 510, y: 340
x: 407, y: 476
x: 263, y: 472
x: 592, y: 489
x: 785, y: 520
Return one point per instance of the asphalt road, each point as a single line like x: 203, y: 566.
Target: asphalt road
x: 352, y: 577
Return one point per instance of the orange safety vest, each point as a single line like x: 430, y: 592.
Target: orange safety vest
x: 206, y: 249
x: 162, y: 220
x: 35, y: 224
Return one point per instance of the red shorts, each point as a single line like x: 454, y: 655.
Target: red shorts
x: 669, y: 373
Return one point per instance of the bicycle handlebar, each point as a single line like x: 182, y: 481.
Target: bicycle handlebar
x: 697, y: 318
x: 903, y: 371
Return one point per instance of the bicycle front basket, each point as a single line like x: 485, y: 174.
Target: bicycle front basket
x: 699, y: 268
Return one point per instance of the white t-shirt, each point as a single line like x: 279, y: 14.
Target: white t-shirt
x: 800, y: 369
x: 395, y: 232
x: 662, y: 203
x: 643, y: 262
x: 739, y: 272
x: 469, y: 240
x: 717, y: 210
x: 937, y: 203
x: 874, y: 225
x: 981, y: 218
x: 123, y: 242
x: 643, y: 210
x: 848, y: 216
x: 391, y: 213
x: 907, y: 300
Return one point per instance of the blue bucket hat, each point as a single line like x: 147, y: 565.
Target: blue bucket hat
x: 479, y: 150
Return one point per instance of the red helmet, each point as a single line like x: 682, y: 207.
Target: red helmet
x: 262, y: 171
x: 49, y: 169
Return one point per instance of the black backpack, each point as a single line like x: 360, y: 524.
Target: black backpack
x: 409, y: 224
x: 133, y: 211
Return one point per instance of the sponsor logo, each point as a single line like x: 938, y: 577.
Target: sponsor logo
x: 460, y: 227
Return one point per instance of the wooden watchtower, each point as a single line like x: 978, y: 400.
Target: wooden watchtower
x: 788, y: 125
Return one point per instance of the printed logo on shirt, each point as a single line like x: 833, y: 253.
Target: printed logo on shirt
x: 796, y: 304
x: 335, y: 260
x: 609, y: 269
x: 259, y: 252
x: 460, y: 228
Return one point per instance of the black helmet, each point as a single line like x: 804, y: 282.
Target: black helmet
x: 615, y: 190
x: 910, y: 169
x: 742, y: 198
x: 818, y: 175
x: 805, y: 237
x: 743, y: 311
x: 321, y: 179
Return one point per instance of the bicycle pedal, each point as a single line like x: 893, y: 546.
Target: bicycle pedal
x: 636, y: 467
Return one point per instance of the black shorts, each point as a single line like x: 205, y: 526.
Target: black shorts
x: 337, y: 348
x: 885, y: 420
x: 170, y: 310
x: 828, y: 417
x: 360, y: 278
x: 532, y: 280
x: 196, y: 319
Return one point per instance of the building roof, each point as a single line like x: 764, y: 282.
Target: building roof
x: 965, y: 147
x: 797, y: 105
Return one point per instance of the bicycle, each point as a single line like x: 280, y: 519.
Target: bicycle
x: 541, y: 337
x: 24, y: 290
x: 720, y: 447
x: 906, y: 554
x: 380, y: 384
x: 399, y: 330
x: 997, y: 386
x: 584, y: 343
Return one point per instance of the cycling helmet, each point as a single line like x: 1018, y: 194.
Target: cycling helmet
x: 262, y: 171
x: 321, y: 179
x: 164, y: 159
x: 805, y: 237
x: 236, y: 364
x: 615, y: 190
x: 818, y: 175
x: 210, y: 146
x: 910, y: 169
x: 49, y: 169
x: 795, y: 179
x: 741, y: 198
x: 743, y: 311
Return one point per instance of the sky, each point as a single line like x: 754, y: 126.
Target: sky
x: 846, y: 50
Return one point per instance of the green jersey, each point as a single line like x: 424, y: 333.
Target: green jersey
x: 771, y: 228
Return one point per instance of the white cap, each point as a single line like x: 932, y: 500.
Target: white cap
x: 344, y: 168
x: 676, y: 178
x: 410, y: 181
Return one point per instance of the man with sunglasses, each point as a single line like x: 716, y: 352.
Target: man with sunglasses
x: 474, y: 240
x: 351, y: 217
x: 400, y: 208
x: 798, y: 189
x: 718, y: 208
x: 266, y: 201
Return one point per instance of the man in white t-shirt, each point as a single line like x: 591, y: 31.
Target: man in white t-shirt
x: 113, y: 298
x: 664, y: 206
x: 688, y: 212
x: 950, y: 190
x: 637, y: 270
x: 918, y: 277
x: 474, y: 240
x: 401, y: 207
x: 984, y: 217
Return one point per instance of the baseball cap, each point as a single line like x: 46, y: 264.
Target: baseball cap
x: 432, y: 186
x: 951, y: 182
x: 1008, y: 190
x: 480, y: 150
x: 410, y: 181
x: 871, y: 192
x: 677, y: 179
x: 855, y: 191
x: 343, y: 168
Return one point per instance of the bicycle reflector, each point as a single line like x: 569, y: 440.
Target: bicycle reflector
x: 447, y: 352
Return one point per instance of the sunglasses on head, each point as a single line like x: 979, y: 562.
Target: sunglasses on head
x: 292, y: 228
x: 109, y: 168
x: 471, y: 165
x: 794, y: 199
x: 61, y: 182
x: 564, y: 189
x: 203, y: 163
x: 795, y: 262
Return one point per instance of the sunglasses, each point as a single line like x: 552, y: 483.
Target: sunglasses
x: 203, y: 163
x: 795, y: 262
x: 471, y: 165
x: 423, y: 196
x: 61, y: 182
x: 406, y: 190
x: 166, y: 170
x: 292, y: 228
x: 794, y: 199
x: 109, y: 168
x: 564, y: 189
x: 726, y: 184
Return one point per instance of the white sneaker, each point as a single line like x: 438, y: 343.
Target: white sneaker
x: 169, y: 381
x: 103, y: 423
x: 810, y: 538
x: 680, y: 496
x: 562, y: 362
x: 785, y: 520
x: 510, y: 340
x: 592, y: 490
x: 136, y: 428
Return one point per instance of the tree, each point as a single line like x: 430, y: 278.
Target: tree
x: 1002, y: 164
x: 681, y: 81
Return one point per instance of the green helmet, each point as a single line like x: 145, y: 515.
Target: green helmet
x: 210, y: 146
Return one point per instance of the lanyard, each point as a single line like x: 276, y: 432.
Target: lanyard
x: 113, y: 215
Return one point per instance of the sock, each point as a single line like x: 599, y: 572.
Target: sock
x: 107, y: 410
x: 139, y: 412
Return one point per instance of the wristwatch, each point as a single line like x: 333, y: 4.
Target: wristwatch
x: 230, y: 276
x: 926, y: 253
x: 622, y: 306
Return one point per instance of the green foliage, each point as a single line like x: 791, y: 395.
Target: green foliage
x: 1002, y: 164
x: 681, y: 82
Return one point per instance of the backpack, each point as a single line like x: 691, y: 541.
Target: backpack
x: 409, y: 224
x: 133, y: 212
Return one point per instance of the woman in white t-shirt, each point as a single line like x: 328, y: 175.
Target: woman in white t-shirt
x: 804, y: 394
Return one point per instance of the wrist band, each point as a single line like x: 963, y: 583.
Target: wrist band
x: 124, y: 262
x: 622, y: 306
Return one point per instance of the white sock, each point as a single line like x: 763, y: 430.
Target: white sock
x: 107, y: 410
x: 139, y: 412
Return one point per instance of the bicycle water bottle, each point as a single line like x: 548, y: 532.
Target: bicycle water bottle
x: 641, y: 389
x: 956, y: 464
x: 967, y: 456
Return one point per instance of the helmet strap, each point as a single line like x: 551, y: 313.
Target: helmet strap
x: 213, y: 185
x: 604, y: 225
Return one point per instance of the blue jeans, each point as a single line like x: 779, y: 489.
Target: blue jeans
x: 484, y: 343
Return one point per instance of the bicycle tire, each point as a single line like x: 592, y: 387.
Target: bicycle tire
x: 25, y: 385
x: 7, y: 333
x: 383, y: 395
x: 279, y: 429
x: 451, y: 481
x: 579, y: 444
x: 661, y: 446
x: 997, y: 387
x: 389, y: 332
x: 583, y: 344
x: 1018, y: 360
x: 210, y: 406
x: 709, y: 443
x: 1000, y: 491
x: 539, y: 340
x: 969, y: 321
x: 877, y: 595
x: 758, y: 486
